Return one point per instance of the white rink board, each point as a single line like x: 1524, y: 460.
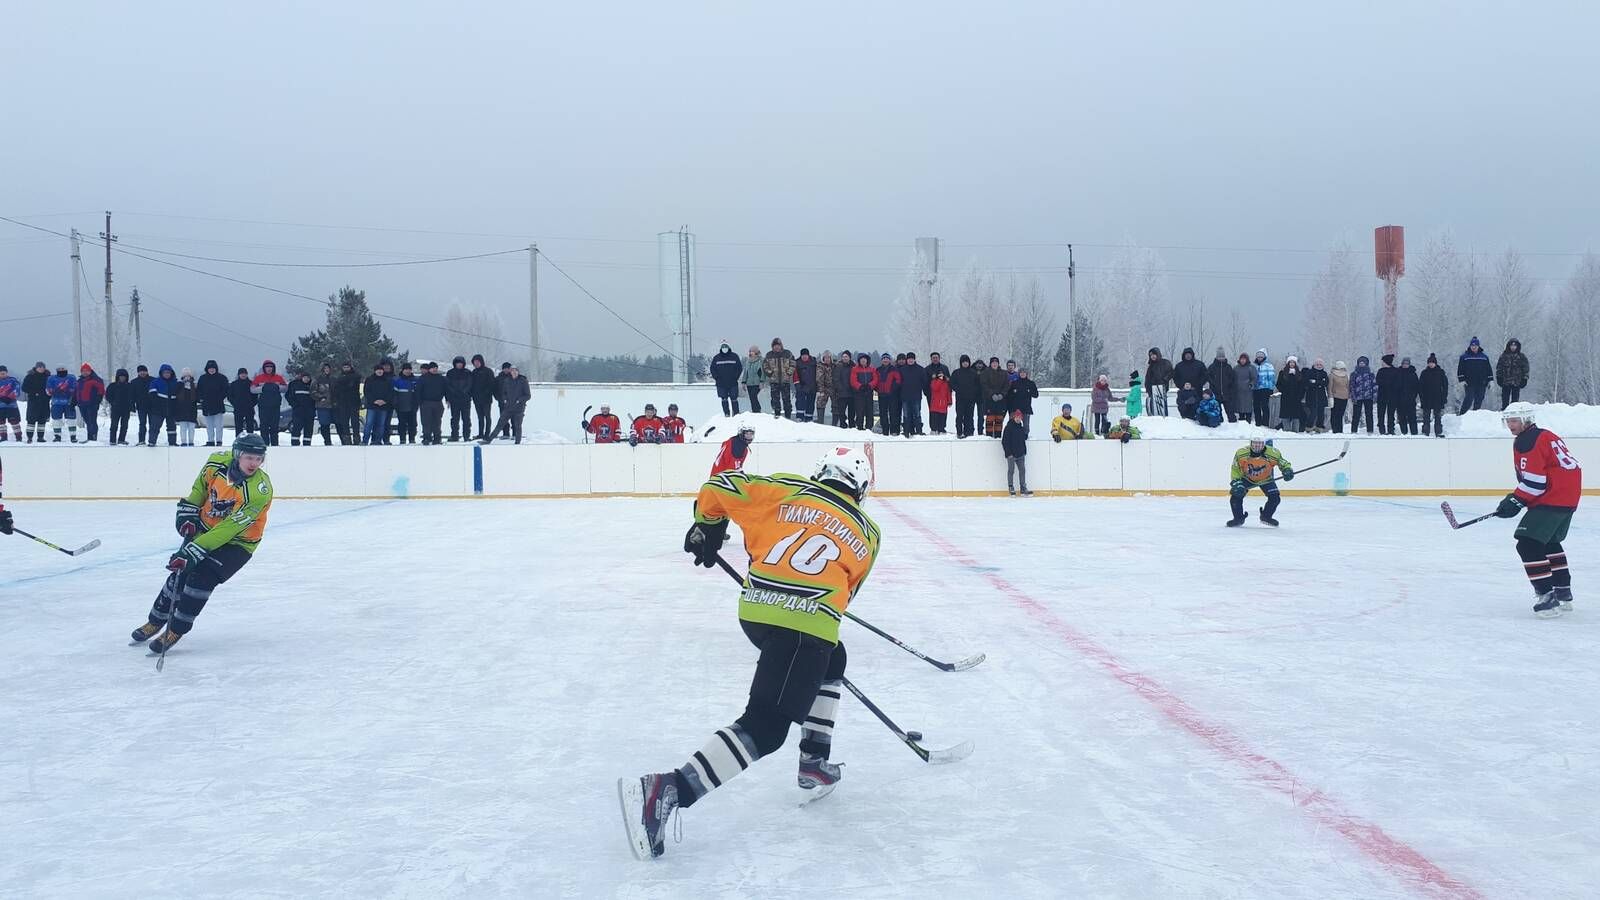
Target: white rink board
x: 905, y: 467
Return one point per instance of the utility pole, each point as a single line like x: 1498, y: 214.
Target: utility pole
x: 138, y: 336
x: 533, y: 312
x: 111, y: 363
x: 1072, y: 321
x: 77, y: 299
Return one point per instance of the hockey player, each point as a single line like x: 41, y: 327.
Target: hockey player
x: 646, y: 429
x: 605, y: 426
x: 221, y: 522
x: 810, y: 547
x: 6, y: 524
x: 672, y: 427
x: 1549, y: 485
x: 61, y: 388
x: 734, y: 451
x: 1252, y: 467
x: 10, y: 410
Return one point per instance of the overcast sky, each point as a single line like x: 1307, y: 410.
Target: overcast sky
x: 806, y: 145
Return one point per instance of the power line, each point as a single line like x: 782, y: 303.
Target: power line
x: 203, y: 320
x: 608, y: 309
x: 33, y: 318
x: 292, y: 265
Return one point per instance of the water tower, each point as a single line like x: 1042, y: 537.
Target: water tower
x: 1389, y: 242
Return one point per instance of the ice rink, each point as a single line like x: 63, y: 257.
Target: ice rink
x: 431, y: 699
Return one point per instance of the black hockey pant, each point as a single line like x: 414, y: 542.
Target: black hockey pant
x: 1236, y: 499
x: 185, y: 593
x: 798, y: 680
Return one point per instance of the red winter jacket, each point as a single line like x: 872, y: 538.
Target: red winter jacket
x: 939, y: 395
x: 91, y: 389
x: 864, y: 378
x: 888, y: 380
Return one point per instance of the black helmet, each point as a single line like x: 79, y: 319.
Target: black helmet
x: 249, y: 443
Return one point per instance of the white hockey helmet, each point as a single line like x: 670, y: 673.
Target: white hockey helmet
x: 1518, y: 410
x: 1257, y: 436
x: 847, y: 469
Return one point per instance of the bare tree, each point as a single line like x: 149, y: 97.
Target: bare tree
x: 1238, y: 333
x: 1197, y: 330
x: 983, y: 321
x: 1515, y: 301
x: 1578, y: 314
x: 1340, y: 319
x: 480, y: 328
x: 1131, y: 294
x: 1035, y: 327
x: 922, y: 318
x: 1428, y: 315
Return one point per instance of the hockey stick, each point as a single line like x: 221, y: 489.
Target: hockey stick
x: 936, y: 757
x: 957, y: 666
x: 586, y: 422
x: 1319, y: 465
x: 1450, y: 516
x: 81, y: 550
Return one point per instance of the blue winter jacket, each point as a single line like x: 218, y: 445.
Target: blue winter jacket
x: 405, y: 392
x: 1210, y: 413
x: 1363, y: 383
x: 10, y: 390
x: 61, y: 388
x: 1266, y: 376
x: 163, y: 388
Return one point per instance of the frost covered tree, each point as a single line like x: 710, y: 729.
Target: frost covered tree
x: 1197, y: 331
x: 922, y: 318
x: 1428, y: 315
x: 1035, y: 325
x: 1575, y: 323
x: 1091, y: 351
x: 476, y: 328
x: 1514, y: 302
x: 1238, y: 334
x: 983, y: 319
x: 1341, y: 319
x: 1130, y: 292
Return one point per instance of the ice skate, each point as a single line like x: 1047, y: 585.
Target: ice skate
x: 1235, y: 522
x: 164, y: 643
x: 1266, y: 519
x: 1547, y: 607
x: 1564, y: 597
x: 818, y: 777
x: 648, y: 804
x: 144, y: 633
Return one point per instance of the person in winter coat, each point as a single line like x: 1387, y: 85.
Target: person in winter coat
x: 405, y: 403
x: 515, y: 392
x: 1066, y: 428
x: 1209, y: 413
x: 755, y: 376
x: 378, y: 393
x: 1100, y: 400
x: 1314, y: 393
x: 1363, y: 392
x: 458, y: 394
x: 1157, y: 375
x: 212, y: 386
x: 1189, y: 368
x: 913, y: 387
x: 1021, y: 395
x: 1014, y: 441
x: 1291, y: 397
x: 995, y: 384
x: 1219, y: 375
x: 243, y: 401
x: 844, y: 397
x: 939, y: 397
x: 186, y: 407
x: 61, y: 387
x: 1133, y: 404
x: 936, y: 365
x: 141, y: 397
x: 90, y: 391
x: 1475, y: 372
x: 1339, y: 389
x: 302, y: 398
x: 484, y: 387
x: 11, y: 405
x: 322, y: 393
x: 1188, y: 400
x: 726, y: 370
x: 888, y: 396
x: 1266, y: 386
x: 778, y: 367
x: 1511, y: 373
x: 119, y: 395
x: 824, y: 386
x: 968, y: 394
x: 1433, y: 389
x: 1406, y: 388
x: 1123, y: 431
x: 1243, y: 387
x: 347, y: 404
x: 805, y: 386
x: 163, y: 391
x: 432, y: 389
x: 1387, y: 376
x: 503, y: 429
x: 268, y: 387
x: 35, y: 387
x: 863, y: 384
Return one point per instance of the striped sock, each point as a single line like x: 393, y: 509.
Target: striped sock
x: 816, y: 735
x: 1539, y: 575
x: 1559, y: 575
x: 729, y: 752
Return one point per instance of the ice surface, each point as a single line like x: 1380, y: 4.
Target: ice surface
x: 434, y: 699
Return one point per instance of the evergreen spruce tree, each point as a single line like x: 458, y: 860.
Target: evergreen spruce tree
x: 1091, y: 354
x: 351, y: 335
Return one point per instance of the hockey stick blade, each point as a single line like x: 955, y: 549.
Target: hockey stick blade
x: 969, y: 662
x: 1449, y: 514
x: 943, y: 757
x: 84, y: 549
x: 87, y: 547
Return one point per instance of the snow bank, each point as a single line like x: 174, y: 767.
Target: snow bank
x: 1565, y: 419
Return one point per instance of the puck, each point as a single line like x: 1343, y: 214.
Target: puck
x: 914, y: 735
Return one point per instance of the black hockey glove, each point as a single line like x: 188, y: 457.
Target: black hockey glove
x: 704, y: 541
x: 633, y: 440
x: 1127, y: 436
x: 187, y: 557
x: 1055, y: 437
x: 1239, y: 486
x: 1288, y: 474
x: 5, y: 521
x: 1510, y: 507
x: 188, y: 523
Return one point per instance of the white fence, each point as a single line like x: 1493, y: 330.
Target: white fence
x: 973, y: 467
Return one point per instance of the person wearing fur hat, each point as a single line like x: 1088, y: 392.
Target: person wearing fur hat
x: 1474, y: 371
x: 778, y: 366
x: 1511, y: 373
x: 726, y: 370
x: 1388, y: 378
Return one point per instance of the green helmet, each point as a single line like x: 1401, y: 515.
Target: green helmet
x: 249, y: 443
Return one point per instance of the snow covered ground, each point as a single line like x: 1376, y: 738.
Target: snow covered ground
x: 434, y: 699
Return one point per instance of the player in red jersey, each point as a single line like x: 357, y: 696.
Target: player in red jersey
x: 1549, y: 485
x: 672, y: 426
x: 647, y: 429
x: 605, y: 426
x: 734, y: 451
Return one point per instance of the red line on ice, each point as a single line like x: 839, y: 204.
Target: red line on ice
x: 1388, y: 851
